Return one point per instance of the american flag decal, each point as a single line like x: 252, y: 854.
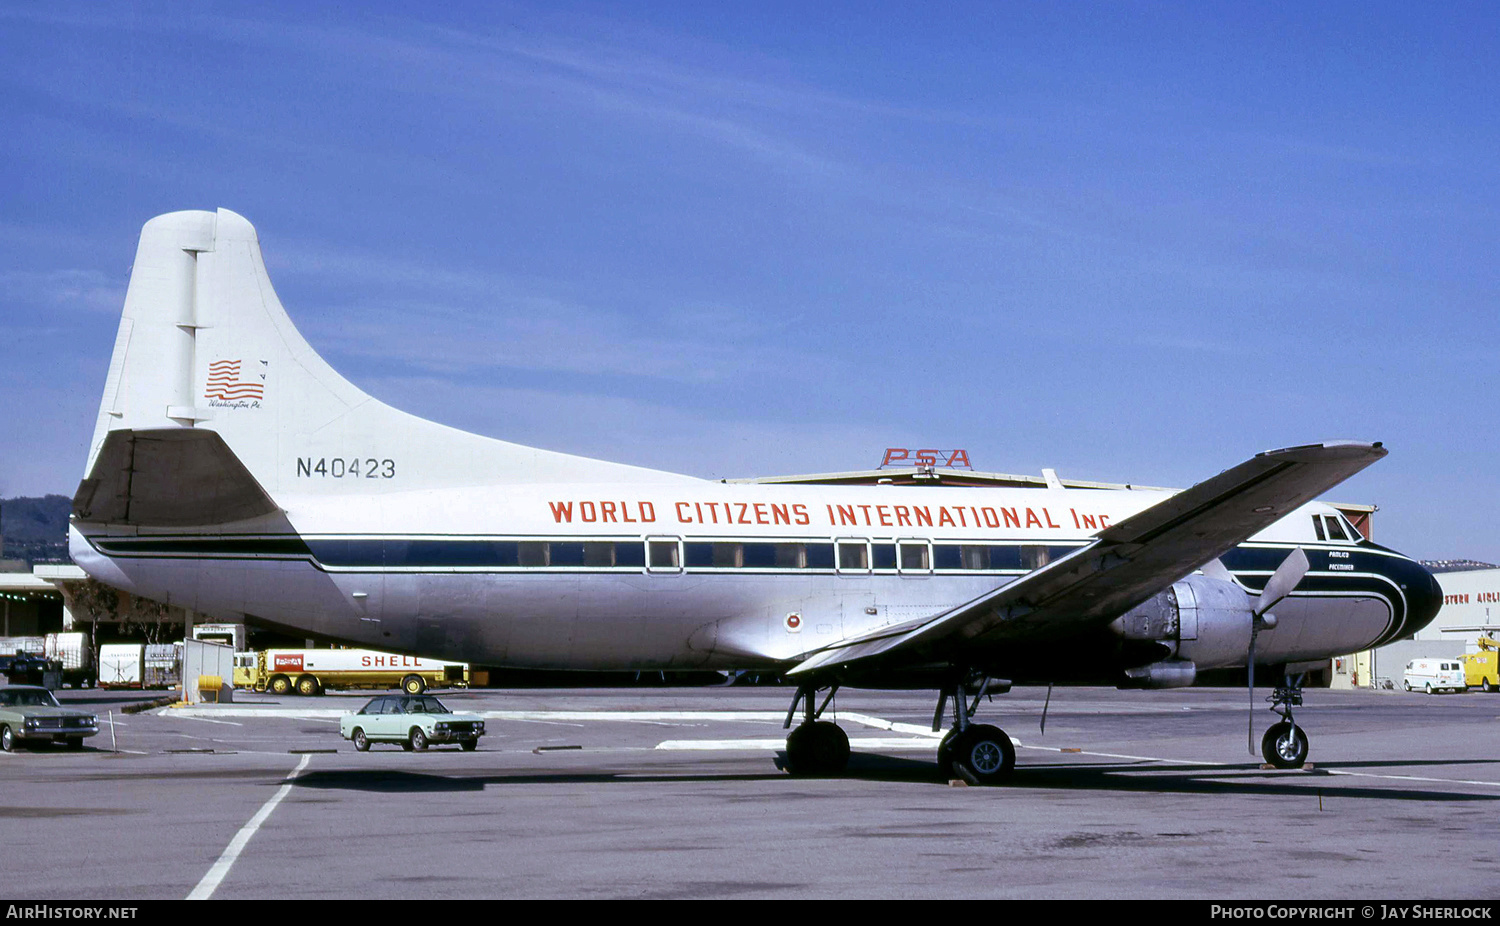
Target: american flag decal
x: 224, y: 382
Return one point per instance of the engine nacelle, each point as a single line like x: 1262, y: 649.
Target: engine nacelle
x: 1205, y: 622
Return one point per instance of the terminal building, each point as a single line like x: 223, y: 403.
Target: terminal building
x: 1471, y: 610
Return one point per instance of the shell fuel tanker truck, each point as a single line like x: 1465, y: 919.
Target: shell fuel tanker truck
x: 311, y: 671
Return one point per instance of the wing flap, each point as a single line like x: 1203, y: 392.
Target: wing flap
x: 1125, y: 565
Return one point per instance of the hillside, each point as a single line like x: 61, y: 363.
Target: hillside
x: 35, y: 529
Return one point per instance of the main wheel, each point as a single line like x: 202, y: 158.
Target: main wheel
x: 307, y: 685
x: 7, y: 739
x: 816, y: 749
x: 418, y: 739
x: 413, y: 685
x: 985, y: 753
x: 361, y: 742
x: 280, y: 685
x: 945, y: 753
x: 1284, y: 745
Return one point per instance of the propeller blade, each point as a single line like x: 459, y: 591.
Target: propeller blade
x: 1215, y: 569
x: 1286, y: 577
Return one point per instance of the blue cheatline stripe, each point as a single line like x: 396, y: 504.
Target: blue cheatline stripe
x: 471, y: 553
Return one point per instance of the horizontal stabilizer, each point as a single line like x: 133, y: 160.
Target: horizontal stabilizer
x: 172, y: 477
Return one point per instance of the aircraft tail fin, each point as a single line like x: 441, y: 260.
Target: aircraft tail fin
x: 205, y: 345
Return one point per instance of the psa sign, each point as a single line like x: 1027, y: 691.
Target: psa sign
x: 948, y: 459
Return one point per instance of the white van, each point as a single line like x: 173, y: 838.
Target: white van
x: 1432, y: 675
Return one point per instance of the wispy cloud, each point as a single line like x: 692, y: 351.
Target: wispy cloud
x: 453, y: 320
x: 666, y: 437
x: 85, y: 290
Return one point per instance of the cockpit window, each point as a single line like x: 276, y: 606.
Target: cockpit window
x: 1334, y: 527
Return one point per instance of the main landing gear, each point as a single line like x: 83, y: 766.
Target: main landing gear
x: 978, y: 753
x: 817, y: 747
x: 975, y: 752
x: 1285, y: 744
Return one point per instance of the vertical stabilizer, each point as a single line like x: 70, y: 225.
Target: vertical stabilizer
x: 205, y: 343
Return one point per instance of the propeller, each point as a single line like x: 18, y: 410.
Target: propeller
x: 1280, y: 585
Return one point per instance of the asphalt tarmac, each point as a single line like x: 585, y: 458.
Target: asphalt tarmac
x: 676, y: 792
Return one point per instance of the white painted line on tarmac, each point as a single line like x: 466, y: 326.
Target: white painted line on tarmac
x: 550, y: 723
x: 1228, y: 765
x: 306, y: 713
x: 636, y: 716
x: 230, y: 710
x: 882, y: 724
x: 210, y: 882
x: 1446, y: 781
x: 206, y: 719
x: 776, y: 745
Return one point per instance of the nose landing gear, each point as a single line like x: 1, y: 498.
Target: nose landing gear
x: 1285, y: 743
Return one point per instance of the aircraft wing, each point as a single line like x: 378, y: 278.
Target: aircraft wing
x: 1125, y: 565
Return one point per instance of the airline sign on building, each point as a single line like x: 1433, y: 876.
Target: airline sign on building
x: 1470, y: 599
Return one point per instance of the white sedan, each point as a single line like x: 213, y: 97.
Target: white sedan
x: 414, y: 721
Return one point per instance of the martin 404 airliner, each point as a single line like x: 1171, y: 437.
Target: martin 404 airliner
x: 233, y: 472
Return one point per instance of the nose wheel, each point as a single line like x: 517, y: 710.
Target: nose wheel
x: 1284, y: 745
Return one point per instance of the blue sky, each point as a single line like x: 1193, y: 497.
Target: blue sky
x: 1133, y: 242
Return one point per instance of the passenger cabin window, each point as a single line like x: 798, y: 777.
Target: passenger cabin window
x: 532, y: 553
x: 853, y: 556
x: 914, y: 557
x: 664, y: 554
x: 598, y: 554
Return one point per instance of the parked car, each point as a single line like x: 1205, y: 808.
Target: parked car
x: 414, y: 721
x: 31, y: 713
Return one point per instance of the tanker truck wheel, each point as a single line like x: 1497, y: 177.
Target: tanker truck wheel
x: 280, y: 685
x: 307, y: 685
x: 413, y: 685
